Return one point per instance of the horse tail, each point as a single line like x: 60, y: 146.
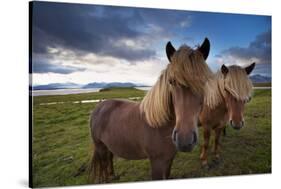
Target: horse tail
x: 95, y: 163
x: 94, y: 167
x: 92, y: 162
x: 91, y: 170
x: 101, y: 164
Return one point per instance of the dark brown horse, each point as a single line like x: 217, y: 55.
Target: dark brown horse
x: 162, y: 123
x: 225, y: 97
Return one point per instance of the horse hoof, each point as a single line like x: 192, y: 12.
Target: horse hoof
x: 205, y: 165
x: 115, y: 177
x: 217, y: 159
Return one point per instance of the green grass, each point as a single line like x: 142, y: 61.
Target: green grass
x: 267, y: 84
x: 62, y: 145
x: 106, y: 94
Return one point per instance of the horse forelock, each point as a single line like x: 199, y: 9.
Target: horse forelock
x: 187, y: 68
x: 236, y: 82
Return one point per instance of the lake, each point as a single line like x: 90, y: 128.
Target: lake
x: 71, y: 91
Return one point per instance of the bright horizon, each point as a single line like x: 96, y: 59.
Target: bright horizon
x: 91, y: 43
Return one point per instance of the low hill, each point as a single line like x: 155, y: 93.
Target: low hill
x: 53, y: 86
x: 260, y: 79
x: 109, y: 85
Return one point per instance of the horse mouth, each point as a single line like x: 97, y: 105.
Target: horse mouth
x: 236, y: 128
x: 185, y: 148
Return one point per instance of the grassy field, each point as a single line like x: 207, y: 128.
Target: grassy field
x: 62, y: 145
x: 268, y: 84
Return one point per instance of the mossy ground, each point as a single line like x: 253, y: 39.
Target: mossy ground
x: 62, y: 145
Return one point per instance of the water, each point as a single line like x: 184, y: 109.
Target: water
x: 143, y: 88
x: 85, y: 101
x: 63, y: 91
x: 71, y: 91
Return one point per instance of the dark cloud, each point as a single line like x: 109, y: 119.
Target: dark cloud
x: 73, y: 26
x: 46, y: 67
x: 97, y: 29
x: 259, y: 49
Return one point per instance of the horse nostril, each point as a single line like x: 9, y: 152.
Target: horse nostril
x: 174, y: 135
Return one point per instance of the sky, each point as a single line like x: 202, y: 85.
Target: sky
x: 81, y: 43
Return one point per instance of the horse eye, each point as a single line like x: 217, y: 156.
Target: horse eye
x: 172, y: 82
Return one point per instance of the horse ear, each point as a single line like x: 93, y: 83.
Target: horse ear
x: 170, y: 50
x: 205, y: 48
x: 250, y: 68
x: 224, y: 69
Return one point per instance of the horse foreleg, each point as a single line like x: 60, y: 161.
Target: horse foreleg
x: 217, y: 142
x: 168, y: 169
x: 204, y: 151
x: 224, y: 131
x: 160, y: 169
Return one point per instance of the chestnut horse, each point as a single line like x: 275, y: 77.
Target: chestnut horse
x: 162, y: 123
x: 225, y: 97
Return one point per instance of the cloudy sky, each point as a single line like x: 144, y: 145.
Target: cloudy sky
x: 88, y: 43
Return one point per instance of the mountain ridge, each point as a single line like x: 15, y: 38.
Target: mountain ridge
x: 54, y: 86
x: 257, y: 78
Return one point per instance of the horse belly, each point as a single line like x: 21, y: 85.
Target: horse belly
x: 123, y: 134
x: 126, y: 151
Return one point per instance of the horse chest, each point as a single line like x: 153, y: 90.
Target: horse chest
x: 216, y: 117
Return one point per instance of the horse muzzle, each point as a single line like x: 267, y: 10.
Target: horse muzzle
x: 236, y: 126
x: 185, y: 143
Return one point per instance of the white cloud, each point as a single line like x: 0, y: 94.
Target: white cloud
x: 99, y: 68
x: 234, y: 60
x: 186, y: 23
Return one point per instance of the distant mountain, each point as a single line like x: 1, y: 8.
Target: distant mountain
x: 260, y: 78
x: 112, y: 84
x: 53, y: 86
x: 94, y: 85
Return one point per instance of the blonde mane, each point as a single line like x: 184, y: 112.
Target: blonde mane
x: 236, y: 82
x: 187, y: 68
